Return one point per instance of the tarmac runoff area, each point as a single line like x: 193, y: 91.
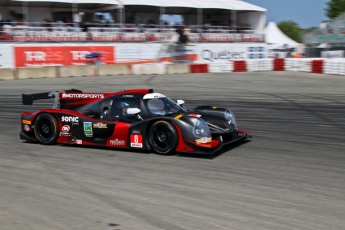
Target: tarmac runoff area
x: 290, y: 175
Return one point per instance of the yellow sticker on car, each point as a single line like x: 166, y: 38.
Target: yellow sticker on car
x: 178, y: 116
x: 204, y: 140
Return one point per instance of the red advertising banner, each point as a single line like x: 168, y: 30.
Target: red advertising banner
x: 60, y: 55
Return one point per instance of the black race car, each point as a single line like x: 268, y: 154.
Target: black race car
x: 130, y: 119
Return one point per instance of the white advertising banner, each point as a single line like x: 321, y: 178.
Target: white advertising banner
x: 332, y: 54
x: 6, y: 56
x: 230, y: 51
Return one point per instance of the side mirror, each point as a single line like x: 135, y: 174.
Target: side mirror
x: 180, y: 102
x: 133, y: 111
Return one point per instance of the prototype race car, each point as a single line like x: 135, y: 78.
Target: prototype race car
x: 131, y: 119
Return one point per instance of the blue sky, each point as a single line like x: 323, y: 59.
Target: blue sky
x: 306, y: 13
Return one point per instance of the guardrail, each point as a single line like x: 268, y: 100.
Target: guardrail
x: 322, y: 66
x: 64, y: 34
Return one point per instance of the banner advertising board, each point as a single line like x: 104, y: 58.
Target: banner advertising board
x: 132, y: 53
x: 46, y: 55
x: 230, y: 51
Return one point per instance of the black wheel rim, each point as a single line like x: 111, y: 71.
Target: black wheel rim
x: 45, y: 129
x: 162, y: 138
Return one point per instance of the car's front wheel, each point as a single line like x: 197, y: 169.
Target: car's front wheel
x: 46, y: 129
x: 163, y: 137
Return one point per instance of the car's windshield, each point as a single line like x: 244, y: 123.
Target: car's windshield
x: 163, y: 106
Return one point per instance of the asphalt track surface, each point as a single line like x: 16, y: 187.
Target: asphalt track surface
x: 290, y: 175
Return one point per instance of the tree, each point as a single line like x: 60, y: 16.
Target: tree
x: 335, y: 8
x: 310, y: 29
x: 291, y: 29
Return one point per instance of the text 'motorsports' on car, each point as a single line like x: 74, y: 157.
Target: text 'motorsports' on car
x: 129, y: 119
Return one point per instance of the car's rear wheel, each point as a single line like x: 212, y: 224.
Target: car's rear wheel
x: 46, y: 129
x: 163, y: 137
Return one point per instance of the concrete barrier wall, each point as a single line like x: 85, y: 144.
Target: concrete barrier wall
x: 36, y: 72
x: 7, y: 74
x: 117, y: 69
x: 143, y: 69
x: 177, y: 68
x: 301, y: 65
x: 334, y: 66
x: 254, y: 65
x: 220, y: 67
x: 77, y: 71
x: 327, y: 66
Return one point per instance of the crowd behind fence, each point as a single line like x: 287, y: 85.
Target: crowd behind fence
x: 328, y: 32
x: 60, y: 31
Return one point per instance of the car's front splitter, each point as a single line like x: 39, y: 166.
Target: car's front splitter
x: 216, y: 145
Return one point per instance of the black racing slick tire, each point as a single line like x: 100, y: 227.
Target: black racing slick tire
x: 163, y: 137
x: 46, y: 129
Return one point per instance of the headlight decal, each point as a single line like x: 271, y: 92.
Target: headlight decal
x: 201, y: 129
x: 230, y: 117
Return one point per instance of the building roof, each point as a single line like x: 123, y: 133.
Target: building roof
x: 237, y: 5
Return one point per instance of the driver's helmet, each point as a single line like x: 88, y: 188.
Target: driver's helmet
x: 122, y: 104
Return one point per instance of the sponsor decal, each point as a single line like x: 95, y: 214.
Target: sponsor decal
x: 88, y: 129
x: 256, y: 52
x: 26, y: 122
x: 65, y: 131
x: 65, y: 128
x: 178, y: 117
x: 79, y: 142
x: 70, y: 119
x: 203, y: 140
x: 127, y: 95
x: 135, y: 131
x: 82, y: 96
x: 194, y: 115
x: 64, y: 134
x: 60, y: 55
x: 158, y: 95
x: 117, y: 142
x: 100, y: 126
x: 225, y: 55
x: 72, y: 139
x: 136, y: 141
x: 26, y: 128
x: 88, y: 134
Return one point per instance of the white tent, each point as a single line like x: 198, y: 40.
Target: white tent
x: 276, y: 38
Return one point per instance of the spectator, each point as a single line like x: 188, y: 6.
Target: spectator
x: 69, y: 23
x: 7, y: 29
x: 183, y: 33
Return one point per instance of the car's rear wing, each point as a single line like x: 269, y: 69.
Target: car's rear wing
x: 28, y: 99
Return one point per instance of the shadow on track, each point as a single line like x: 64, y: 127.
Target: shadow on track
x: 225, y: 149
